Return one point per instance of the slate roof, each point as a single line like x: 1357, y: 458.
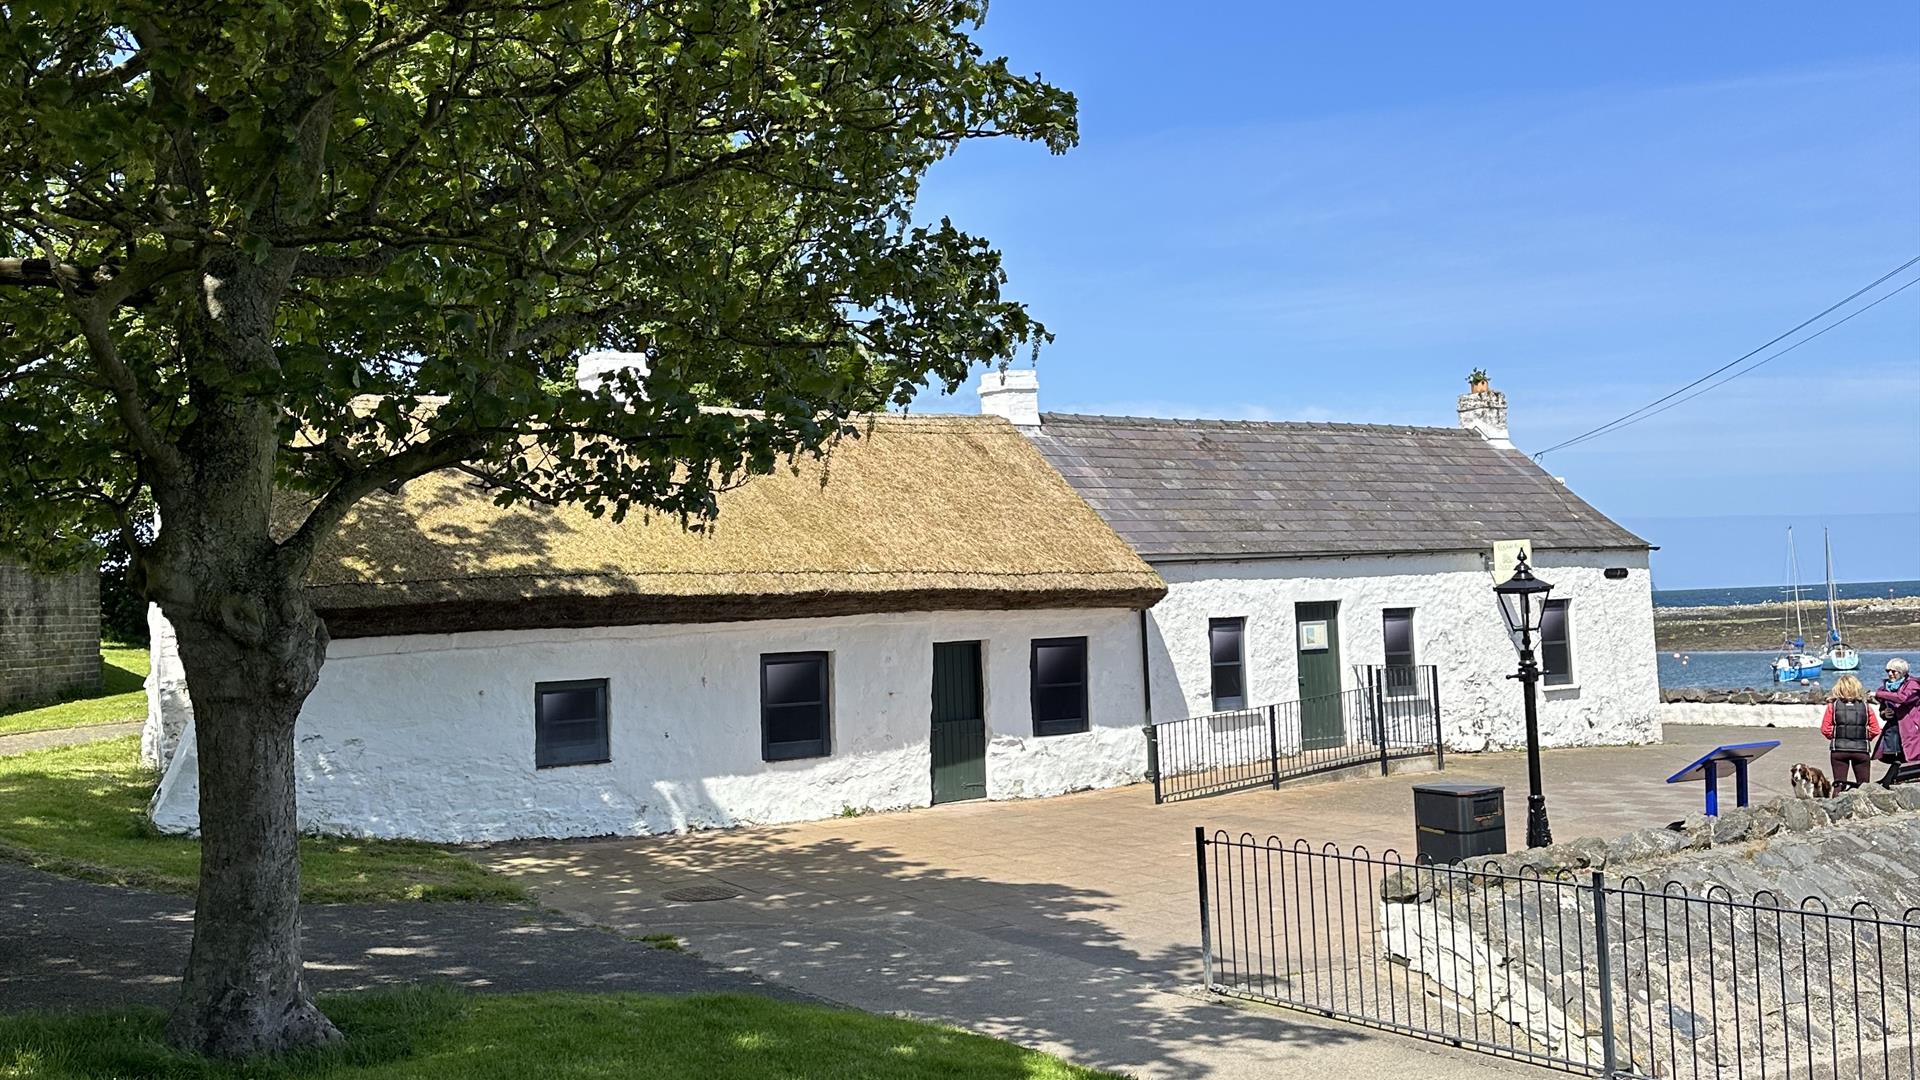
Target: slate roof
x: 1198, y: 489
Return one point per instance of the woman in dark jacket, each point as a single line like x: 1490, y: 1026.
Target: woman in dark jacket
x: 1851, y: 726
x: 1899, y: 701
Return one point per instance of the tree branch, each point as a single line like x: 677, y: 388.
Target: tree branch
x: 296, y: 551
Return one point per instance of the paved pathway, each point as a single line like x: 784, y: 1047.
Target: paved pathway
x: 1069, y: 924
x: 40, y: 740
x: 73, y: 944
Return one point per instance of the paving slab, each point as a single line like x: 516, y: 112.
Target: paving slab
x: 1070, y: 924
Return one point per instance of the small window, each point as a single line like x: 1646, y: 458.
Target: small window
x: 1396, y: 626
x: 570, y: 723
x: 793, y: 706
x: 1556, y: 644
x: 1059, y: 686
x: 1226, y: 646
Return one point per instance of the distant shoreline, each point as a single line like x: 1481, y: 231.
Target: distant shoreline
x: 1868, y: 624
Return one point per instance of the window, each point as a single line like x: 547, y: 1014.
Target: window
x: 1059, y: 685
x: 570, y: 723
x: 1396, y: 626
x: 1226, y: 645
x: 793, y: 706
x: 1556, y: 644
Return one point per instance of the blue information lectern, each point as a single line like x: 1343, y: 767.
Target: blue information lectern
x: 1719, y: 762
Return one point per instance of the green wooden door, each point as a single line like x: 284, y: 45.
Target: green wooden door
x: 1317, y: 637
x: 959, y: 723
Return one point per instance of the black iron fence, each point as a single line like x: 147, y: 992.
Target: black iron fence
x: 1393, y: 713
x: 1588, y: 974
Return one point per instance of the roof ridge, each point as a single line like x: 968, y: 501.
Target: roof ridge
x: 1248, y: 425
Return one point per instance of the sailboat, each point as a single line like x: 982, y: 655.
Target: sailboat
x: 1839, y: 655
x: 1795, y: 662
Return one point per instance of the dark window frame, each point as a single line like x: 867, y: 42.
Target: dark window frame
x: 1402, y: 681
x: 1238, y: 624
x: 1550, y: 673
x: 543, y: 752
x: 798, y: 749
x: 1058, y: 725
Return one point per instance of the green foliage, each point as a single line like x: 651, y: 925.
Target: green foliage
x: 429, y: 1034
x: 80, y: 810
x: 121, y: 698
x: 212, y: 206
x: 1476, y: 376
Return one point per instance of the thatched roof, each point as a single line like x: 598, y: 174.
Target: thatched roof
x: 922, y: 513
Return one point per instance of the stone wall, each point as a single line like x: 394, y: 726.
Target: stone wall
x: 49, y: 635
x: 1784, y: 933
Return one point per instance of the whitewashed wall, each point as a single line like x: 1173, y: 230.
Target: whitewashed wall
x: 432, y: 736
x: 1457, y: 627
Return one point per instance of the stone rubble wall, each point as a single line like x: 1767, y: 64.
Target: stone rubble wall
x: 1713, y: 963
x: 49, y: 635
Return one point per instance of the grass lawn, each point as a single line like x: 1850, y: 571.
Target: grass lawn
x: 79, y: 810
x: 123, y: 668
x: 436, y: 1034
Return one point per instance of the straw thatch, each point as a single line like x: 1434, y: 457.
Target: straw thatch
x: 922, y: 513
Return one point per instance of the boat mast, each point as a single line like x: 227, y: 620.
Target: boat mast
x: 1793, y: 571
x: 1833, y: 612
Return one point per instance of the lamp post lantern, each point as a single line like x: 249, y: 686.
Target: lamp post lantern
x: 1523, y: 600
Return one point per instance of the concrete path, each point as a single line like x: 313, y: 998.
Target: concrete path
x: 73, y: 944
x: 1070, y: 924
x: 39, y: 740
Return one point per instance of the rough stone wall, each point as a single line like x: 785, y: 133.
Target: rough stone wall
x: 1456, y: 625
x: 1787, y: 933
x: 431, y: 736
x: 49, y: 635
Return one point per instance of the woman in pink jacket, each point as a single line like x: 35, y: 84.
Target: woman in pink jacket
x: 1899, y: 701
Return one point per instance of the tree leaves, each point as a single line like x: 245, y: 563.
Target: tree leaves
x: 448, y: 203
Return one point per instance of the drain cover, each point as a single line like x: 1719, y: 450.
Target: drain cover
x: 696, y: 894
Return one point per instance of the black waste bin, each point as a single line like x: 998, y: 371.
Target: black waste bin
x: 1457, y: 821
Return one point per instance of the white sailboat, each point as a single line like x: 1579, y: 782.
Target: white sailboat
x: 1794, y: 662
x: 1838, y: 655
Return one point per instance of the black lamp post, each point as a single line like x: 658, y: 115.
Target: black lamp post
x: 1523, y: 600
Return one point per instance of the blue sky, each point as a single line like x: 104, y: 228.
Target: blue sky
x: 1333, y: 212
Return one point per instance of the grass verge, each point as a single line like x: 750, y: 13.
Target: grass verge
x: 80, y: 811
x: 123, y: 670
x: 431, y: 1034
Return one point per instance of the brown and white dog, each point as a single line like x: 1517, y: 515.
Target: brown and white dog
x: 1810, y: 783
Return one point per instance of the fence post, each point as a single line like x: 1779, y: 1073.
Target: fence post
x: 1206, y: 921
x: 1273, y: 743
x: 1608, y: 1065
x: 1439, y: 731
x: 1379, y: 700
x: 1153, y: 761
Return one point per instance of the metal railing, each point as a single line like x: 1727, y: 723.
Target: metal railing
x: 1394, y: 713
x: 1587, y: 974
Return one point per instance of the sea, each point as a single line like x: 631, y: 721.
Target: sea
x: 1774, y: 594
x: 1741, y: 669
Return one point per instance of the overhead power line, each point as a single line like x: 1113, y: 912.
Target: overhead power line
x: 1652, y: 407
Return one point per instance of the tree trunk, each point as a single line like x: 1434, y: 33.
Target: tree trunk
x: 244, y: 993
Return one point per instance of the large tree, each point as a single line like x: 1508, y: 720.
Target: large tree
x: 253, y: 246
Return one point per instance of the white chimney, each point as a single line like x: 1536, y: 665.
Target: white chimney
x: 1013, y: 394
x: 598, y: 365
x: 1484, y: 413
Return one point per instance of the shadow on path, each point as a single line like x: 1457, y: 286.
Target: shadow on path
x: 68, y: 944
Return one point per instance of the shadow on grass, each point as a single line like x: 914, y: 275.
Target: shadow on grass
x: 116, y: 679
x: 431, y: 1033
x: 80, y: 811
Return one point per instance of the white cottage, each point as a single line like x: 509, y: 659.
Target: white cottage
x: 932, y: 615
x: 1298, y: 555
